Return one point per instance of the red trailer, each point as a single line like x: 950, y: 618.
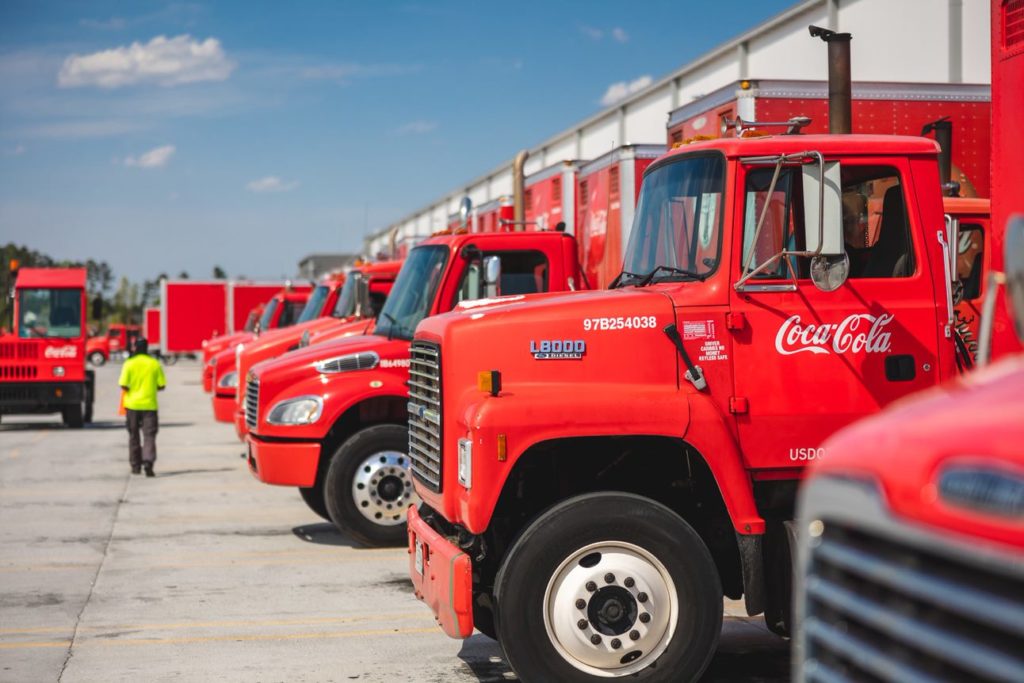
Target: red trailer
x: 493, y: 216
x: 882, y: 108
x: 151, y: 327
x: 550, y: 197
x: 605, y: 200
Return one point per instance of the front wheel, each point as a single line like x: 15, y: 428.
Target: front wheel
x: 608, y: 585
x: 97, y: 359
x: 73, y: 416
x: 369, y: 486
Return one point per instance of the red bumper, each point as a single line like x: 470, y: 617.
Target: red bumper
x: 291, y: 463
x: 223, y: 408
x: 241, y: 429
x: 446, y: 581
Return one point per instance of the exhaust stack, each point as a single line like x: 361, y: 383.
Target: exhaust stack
x: 840, y: 118
x: 519, y: 190
x: 943, y: 129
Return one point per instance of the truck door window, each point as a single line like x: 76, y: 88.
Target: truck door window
x: 292, y: 310
x: 970, y: 252
x: 50, y: 313
x: 875, y: 226
x: 522, y: 272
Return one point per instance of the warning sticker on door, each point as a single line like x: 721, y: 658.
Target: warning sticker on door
x: 698, y: 329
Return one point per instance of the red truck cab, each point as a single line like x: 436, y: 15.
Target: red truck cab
x: 118, y: 340
x: 211, y: 347
x: 616, y: 461
x: 42, y: 363
x: 330, y: 419
x: 350, y: 303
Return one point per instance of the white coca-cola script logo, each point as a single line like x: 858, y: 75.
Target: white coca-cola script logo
x: 858, y: 332
x: 68, y: 351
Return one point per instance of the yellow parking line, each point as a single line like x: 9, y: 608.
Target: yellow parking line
x: 215, y: 639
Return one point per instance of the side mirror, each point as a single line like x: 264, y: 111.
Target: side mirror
x: 492, y: 276
x: 823, y: 209
x: 465, y: 209
x: 362, y: 292
x: 1015, y: 271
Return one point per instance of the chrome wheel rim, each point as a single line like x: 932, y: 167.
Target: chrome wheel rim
x: 611, y: 609
x: 382, y: 488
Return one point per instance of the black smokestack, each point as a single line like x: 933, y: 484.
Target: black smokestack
x: 840, y: 117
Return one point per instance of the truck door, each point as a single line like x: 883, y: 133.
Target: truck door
x: 808, y: 362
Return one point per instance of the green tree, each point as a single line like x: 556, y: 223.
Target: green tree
x: 219, y: 273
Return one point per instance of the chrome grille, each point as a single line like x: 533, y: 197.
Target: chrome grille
x: 425, y: 413
x: 881, y: 609
x: 252, y: 402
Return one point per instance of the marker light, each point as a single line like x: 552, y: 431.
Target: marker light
x: 58, y: 371
x: 466, y: 463
x: 502, y: 448
x: 489, y: 382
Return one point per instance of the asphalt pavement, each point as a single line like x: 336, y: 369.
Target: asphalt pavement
x: 202, y: 573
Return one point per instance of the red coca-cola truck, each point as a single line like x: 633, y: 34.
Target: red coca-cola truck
x: 42, y: 361
x: 117, y: 340
x: 597, y: 471
x: 351, y: 312
x: 910, y: 523
x: 330, y: 419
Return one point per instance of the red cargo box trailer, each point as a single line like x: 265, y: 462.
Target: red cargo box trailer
x: 550, y: 197
x: 605, y: 201
x: 881, y: 108
x: 192, y: 311
x: 151, y: 327
x: 493, y: 216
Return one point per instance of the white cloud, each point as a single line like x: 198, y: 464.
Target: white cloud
x: 154, y: 158
x: 619, y: 35
x: 617, y: 92
x: 162, y: 61
x: 417, y: 127
x: 271, y: 183
x: 592, y: 32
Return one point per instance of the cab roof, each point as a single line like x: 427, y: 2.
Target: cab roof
x: 829, y: 145
x: 50, y: 278
x: 456, y: 240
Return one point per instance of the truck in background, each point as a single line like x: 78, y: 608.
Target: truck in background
x: 115, y: 342
x: 640, y: 455
x: 911, y: 552
x: 330, y: 419
x: 42, y: 361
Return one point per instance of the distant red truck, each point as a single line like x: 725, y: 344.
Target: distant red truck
x: 118, y: 340
x: 42, y: 362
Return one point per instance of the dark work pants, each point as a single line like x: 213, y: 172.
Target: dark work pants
x: 146, y: 422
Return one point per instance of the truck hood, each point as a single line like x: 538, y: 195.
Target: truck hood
x: 297, y: 365
x: 610, y: 336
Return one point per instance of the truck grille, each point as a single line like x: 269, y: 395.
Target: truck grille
x: 19, y: 350
x: 18, y: 372
x: 878, y: 609
x: 425, y: 413
x: 252, y: 402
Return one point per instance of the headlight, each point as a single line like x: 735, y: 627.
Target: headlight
x: 229, y: 380
x: 366, y: 360
x: 58, y: 371
x: 302, y: 410
x: 466, y: 462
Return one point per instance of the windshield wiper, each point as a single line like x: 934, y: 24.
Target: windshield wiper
x: 670, y: 269
x: 624, y: 274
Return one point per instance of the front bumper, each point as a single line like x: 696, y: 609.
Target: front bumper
x: 39, y: 397
x: 283, y: 463
x: 442, y: 577
x: 224, y: 407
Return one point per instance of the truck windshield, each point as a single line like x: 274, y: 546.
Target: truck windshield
x: 345, y: 306
x: 268, y: 314
x: 50, y: 313
x: 677, y: 230
x: 314, y: 304
x: 413, y: 292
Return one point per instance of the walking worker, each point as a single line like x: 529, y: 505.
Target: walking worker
x: 141, y: 377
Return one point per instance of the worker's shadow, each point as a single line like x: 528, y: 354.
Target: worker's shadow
x: 324, y: 533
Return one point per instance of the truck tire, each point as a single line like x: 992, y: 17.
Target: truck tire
x: 313, y: 496
x: 73, y: 416
x: 608, y: 585
x: 90, y: 395
x: 171, y: 359
x: 97, y: 359
x: 369, y: 486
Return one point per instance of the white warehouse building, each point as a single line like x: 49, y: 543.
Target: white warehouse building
x: 894, y: 41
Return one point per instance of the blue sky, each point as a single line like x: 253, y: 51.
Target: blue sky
x: 175, y: 136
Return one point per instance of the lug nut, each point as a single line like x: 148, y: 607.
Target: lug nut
x: 609, y: 578
x: 595, y: 639
x: 634, y: 635
x: 645, y: 617
x: 591, y: 586
x: 581, y: 603
x: 583, y: 623
x: 629, y: 582
x: 616, y: 643
x: 641, y: 597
